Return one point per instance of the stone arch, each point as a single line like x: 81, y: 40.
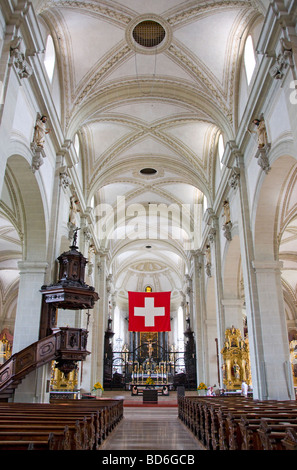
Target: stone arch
x: 32, y: 209
x: 266, y: 208
x: 32, y: 266
x: 268, y: 269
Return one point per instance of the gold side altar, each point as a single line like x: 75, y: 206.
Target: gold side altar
x: 59, y: 382
x: 236, y: 360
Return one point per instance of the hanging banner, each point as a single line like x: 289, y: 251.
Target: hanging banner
x: 149, y: 311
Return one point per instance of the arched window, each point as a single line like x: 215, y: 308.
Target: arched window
x: 249, y: 58
x: 50, y: 57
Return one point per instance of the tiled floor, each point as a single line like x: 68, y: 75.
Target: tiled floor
x: 150, y: 428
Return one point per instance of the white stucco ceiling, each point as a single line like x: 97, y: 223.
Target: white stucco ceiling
x: 134, y: 108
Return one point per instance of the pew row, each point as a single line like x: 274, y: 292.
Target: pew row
x: 240, y: 423
x: 71, y: 425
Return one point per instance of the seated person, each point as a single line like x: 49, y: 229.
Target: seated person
x: 134, y: 390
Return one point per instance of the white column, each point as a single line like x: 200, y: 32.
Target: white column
x: 277, y: 368
x: 199, y: 318
x: 26, y: 329
x: 249, y: 277
x: 215, y: 249
x: 28, y: 311
x: 10, y: 83
x: 99, y: 313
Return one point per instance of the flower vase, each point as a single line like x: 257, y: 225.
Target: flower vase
x: 201, y: 393
x: 98, y: 392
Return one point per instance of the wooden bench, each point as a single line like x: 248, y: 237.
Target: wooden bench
x: 71, y: 425
x: 231, y: 423
x: 290, y: 439
x: 272, y: 434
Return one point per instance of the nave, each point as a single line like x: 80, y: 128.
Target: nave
x: 149, y: 428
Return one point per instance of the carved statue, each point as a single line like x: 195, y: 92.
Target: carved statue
x: 73, y: 211
x: 40, y: 131
x: 227, y: 212
x: 208, y: 255
x: 24, y: 69
x: 261, y: 132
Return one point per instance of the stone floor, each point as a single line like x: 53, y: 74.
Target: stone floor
x: 150, y: 427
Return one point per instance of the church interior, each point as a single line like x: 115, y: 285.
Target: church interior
x: 149, y: 147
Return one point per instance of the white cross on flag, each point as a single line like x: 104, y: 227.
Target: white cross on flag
x: 149, y: 311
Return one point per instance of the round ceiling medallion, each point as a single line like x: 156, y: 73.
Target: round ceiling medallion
x: 148, y: 171
x: 148, y: 34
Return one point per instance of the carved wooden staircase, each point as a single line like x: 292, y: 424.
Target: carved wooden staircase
x: 66, y: 346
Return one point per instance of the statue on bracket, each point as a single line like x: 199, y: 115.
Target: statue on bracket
x: 38, y: 141
x: 208, y: 260
x: 73, y: 213
x: 228, y: 224
x: 263, y: 145
x: 19, y: 59
x: 260, y: 131
x: 73, y: 216
x: 40, y: 131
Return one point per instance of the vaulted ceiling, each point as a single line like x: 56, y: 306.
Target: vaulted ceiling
x: 160, y: 107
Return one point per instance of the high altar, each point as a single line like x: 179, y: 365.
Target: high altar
x: 149, y: 363
x: 236, y: 360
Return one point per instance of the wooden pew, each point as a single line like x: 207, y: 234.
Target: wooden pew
x: 272, y: 434
x: 290, y: 439
x: 88, y: 425
x: 233, y: 423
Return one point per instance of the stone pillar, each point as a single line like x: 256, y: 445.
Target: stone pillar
x: 27, y: 321
x: 215, y: 249
x: 199, y: 318
x: 100, y: 312
x: 238, y: 183
x: 276, y: 354
x: 264, y: 303
x: 233, y: 313
x: 10, y: 83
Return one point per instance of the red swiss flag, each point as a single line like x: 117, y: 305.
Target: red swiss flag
x: 149, y: 311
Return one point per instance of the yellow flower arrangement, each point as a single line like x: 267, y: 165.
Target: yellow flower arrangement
x: 202, y: 386
x: 98, y: 386
x: 149, y: 381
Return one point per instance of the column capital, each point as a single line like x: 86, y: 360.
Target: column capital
x: 267, y: 266
x: 232, y: 302
x: 32, y: 266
